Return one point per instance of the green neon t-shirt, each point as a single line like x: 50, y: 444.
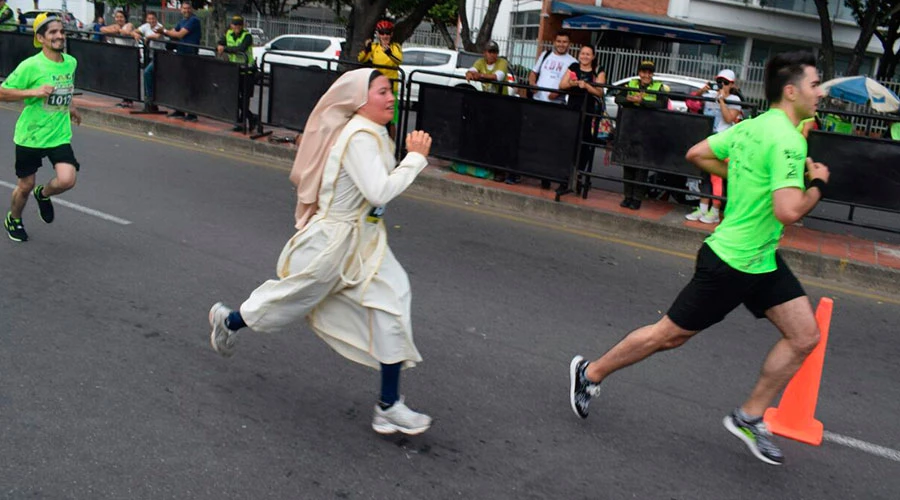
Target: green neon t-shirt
x: 764, y: 154
x: 45, y: 122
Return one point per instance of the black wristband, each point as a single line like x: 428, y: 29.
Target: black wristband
x: 818, y: 183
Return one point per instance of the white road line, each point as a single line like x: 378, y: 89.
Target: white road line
x: 872, y: 449
x: 79, y: 208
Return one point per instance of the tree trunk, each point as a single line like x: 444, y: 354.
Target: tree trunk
x: 445, y: 34
x: 405, y: 28
x: 487, y: 25
x: 826, y: 54
x: 868, y: 24
x: 888, y: 63
x: 363, y: 16
x: 465, y: 33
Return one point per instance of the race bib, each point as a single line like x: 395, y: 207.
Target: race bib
x: 60, y: 99
x: 375, y: 215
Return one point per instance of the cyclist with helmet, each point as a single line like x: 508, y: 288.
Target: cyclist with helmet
x: 381, y: 53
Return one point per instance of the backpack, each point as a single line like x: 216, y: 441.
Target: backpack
x: 529, y: 92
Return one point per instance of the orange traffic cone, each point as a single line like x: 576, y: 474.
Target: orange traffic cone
x: 795, y: 416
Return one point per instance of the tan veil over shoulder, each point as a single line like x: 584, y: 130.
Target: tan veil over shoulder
x: 331, y: 114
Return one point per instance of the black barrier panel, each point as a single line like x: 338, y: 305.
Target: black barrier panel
x: 439, y: 115
x: 294, y: 92
x: 658, y: 140
x: 863, y: 171
x: 107, y: 68
x: 14, y: 48
x: 194, y: 84
x: 529, y: 137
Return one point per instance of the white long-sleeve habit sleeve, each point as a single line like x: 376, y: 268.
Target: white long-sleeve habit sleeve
x: 364, y: 165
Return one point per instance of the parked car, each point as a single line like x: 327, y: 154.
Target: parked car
x: 69, y: 21
x: 450, y: 62
x: 677, y: 84
x: 259, y: 36
x: 299, y: 47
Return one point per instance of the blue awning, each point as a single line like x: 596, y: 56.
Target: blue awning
x: 676, y: 33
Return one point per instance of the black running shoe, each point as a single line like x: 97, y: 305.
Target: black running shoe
x: 14, y: 228
x: 44, y: 204
x: 581, y: 390
x: 756, y: 436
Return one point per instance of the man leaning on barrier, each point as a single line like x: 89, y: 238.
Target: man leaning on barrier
x: 150, y: 34
x: 188, y: 31
x: 7, y: 17
x: 237, y: 43
x: 640, y: 98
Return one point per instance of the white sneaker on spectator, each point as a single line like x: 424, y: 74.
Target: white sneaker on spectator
x: 400, y: 417
x: 695, y: 215
x: 711, y: 217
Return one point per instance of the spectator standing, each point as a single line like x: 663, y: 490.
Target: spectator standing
x: 488, y: 69
x: 237, y: 43
x: 640, y: 98
x: 579, y: 80
x: 549, y: 69
x: 121, y: 32
x: 385, y: 52
x: 96, y: 27
x: 187, y: 31
x: 726, y: 111
x: 7, y: 17
x: 150, y: 33
x: 23, y: 21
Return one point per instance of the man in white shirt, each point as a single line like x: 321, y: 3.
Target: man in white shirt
x: 151, y: 33
x: 550, y: 68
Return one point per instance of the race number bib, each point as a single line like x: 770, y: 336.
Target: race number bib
x: 60, y: 98
x: 375, y: 215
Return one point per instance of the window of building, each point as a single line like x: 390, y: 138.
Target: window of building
x: 524, y: 25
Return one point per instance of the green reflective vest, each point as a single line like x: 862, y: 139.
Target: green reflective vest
x: 635, y: 83
x: 10, y: 24
x: 232, y: 41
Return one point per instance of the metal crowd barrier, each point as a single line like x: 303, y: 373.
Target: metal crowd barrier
x: 497, y: 131
x: 294, y: 90
x: 15, y: 47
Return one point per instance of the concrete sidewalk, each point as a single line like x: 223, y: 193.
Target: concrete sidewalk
x: 839, y: 258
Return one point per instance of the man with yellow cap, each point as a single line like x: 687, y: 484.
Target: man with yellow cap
x: 46, y: 82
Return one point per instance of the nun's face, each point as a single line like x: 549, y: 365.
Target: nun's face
x: 380, y: 106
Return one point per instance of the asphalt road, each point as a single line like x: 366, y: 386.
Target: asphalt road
x: 109, y: 389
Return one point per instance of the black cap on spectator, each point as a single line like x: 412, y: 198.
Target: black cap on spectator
x: 237, y: 20
x: 647, y: 64
x: 492, y: 46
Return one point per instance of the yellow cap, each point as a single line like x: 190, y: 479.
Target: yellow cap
x: 42, y: 19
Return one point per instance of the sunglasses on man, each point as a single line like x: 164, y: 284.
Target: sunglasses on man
x: 385, y: 32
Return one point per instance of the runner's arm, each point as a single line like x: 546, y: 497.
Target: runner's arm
x: 702, y: 156
x: 12, y: 95
x: 791, y: 203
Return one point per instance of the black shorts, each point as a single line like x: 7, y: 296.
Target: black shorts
x: 717, y: 289
x: 29, y: 160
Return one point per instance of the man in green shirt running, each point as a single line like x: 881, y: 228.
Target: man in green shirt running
x: 46, y: 82
x: 738, y: 263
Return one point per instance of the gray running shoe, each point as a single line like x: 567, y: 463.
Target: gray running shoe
x: 756, y: 436
x: 581, y: 390
x: 400, y: 418
x: 221, y: 338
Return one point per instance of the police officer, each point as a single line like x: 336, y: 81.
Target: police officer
x: 640, y: 98
x: 7, y: 18
x: 238, y: 45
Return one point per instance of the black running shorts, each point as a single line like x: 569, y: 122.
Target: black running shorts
x: 717, y: 289
x: 29, y: 160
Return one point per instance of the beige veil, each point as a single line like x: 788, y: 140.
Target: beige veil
x: 331, y: 114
